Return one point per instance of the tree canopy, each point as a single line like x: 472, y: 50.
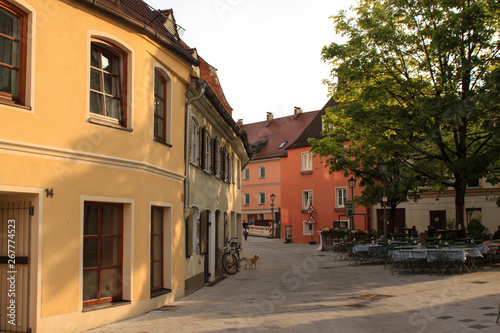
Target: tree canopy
x: 419, y: 85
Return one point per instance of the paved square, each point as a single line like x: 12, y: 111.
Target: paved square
x: 296, y: 288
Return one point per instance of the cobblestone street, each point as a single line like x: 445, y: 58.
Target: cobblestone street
x: 298, y: 289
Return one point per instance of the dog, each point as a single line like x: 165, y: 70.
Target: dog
x: 252, y: 261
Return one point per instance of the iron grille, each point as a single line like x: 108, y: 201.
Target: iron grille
x: 154, y: 18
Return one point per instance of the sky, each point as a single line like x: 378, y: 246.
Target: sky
x: 267, y: 52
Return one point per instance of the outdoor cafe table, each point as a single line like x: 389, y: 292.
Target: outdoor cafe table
x: 368, y: 253
x: 364, y: 247
x: 434, y: 254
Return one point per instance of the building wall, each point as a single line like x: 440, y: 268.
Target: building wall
x: 271, y: 184
x: 51, y: 145
x: 323, y: 185
x: 208, y: 192
x: 482, y: 199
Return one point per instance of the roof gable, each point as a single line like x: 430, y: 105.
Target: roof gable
x: 266, y: 139
x: 314, y: 129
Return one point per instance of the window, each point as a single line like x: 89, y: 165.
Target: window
x: 218, y: 159
x: 238, y: 172
x: 340, y: 197
x: 160, y: 107
x: 307, y: 199
x: 107, y: 83
x: 227, y: 166
x: 102, y: 252
x: 341, y: 224
x: 306, y: 161
x: 157, y: 241
x: 224, y: 166
x: 231, y: 168
x: 246, y: 199
x: 246, y: 174
x: 13, y: 49
x: 262, y: 198
x: 207, y: 151
x: 262, y: 171
x: 473, y: 183
x: 307, y: 229
x: 282, y: 144
x: 195, y: 142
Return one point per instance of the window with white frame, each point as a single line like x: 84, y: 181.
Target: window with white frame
x: 226, y: 165
x: 340, y: 197
x: 307, y: 161
x: 195, y: 141
x: 14, y: 40
x: 231, y: 168
x: 238, y: 172
x: 102, y: 252
x: 262, y: 171
x: 246, y: 174
x: 207, y: 147
x: 108, y: 65
x: 160, y: 103
x: 307, y: 229
x: 246, y: 199
x: 262, y: 198
x: 307, y: 199
x: 218, y: 159
x: 157, y: 260
x: 342, y: 224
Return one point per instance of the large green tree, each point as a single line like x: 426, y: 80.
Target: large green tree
x: 419, y: 84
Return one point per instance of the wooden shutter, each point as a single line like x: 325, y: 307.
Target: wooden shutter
x: 203, y: 231
x: 189, y: 234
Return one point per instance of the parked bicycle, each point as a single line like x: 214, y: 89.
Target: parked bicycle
x: 231, y: 257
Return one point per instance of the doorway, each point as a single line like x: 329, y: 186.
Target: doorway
x: 438, y: 219
x: 15, y: 256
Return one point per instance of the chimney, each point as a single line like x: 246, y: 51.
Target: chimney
x: 296, y: 111
x: 239, y: 122
x: 269, y: 118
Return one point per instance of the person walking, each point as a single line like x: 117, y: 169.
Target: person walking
x: 245, y: 229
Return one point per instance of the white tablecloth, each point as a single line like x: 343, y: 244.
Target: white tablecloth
x: 434, y: 254
x: 364, y: 248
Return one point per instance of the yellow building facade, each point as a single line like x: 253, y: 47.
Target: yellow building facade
x: 92, y: 155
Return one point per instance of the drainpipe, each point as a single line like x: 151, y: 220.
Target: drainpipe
x: 202, y: 84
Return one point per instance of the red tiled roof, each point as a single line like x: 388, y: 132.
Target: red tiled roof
x: 314, y: 129
x: 209, y: 74
x: 269, y: 138
x: 139, y: 11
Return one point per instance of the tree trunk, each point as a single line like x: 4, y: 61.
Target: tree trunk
x: 460, y: 189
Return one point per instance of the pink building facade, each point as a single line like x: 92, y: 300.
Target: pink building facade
x: 297, y: 179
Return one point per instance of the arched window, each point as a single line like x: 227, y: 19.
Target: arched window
x: 160, y: 107
x: 13, y: 49
x: 108, y: 82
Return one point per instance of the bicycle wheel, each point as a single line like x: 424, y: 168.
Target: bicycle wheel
x: 230, y: 263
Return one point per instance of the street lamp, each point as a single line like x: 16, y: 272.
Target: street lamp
x: 272, y: 196
x: 352, y: 185
x: 382, y: 168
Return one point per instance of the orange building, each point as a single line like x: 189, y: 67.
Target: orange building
x: 305, y: 182
x: 282, y: 165
x: 261, y: 178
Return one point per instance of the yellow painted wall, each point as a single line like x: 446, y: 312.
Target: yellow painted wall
x: 53, y: 146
